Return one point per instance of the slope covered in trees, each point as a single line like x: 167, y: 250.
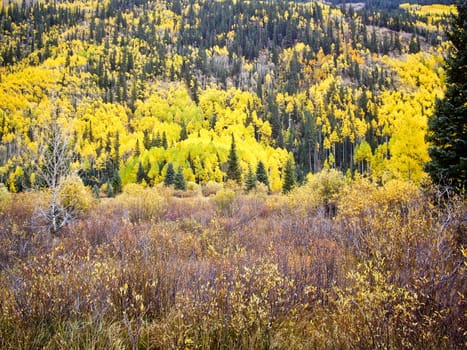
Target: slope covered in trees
x: 151, y: 83
x: 325, y: 234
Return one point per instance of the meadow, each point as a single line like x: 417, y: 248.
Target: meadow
x: 335, y: 264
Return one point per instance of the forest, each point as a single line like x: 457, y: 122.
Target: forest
x: 151, y: 83
x: 232, y: 174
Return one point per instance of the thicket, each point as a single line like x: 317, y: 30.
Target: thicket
x: 147, y: 270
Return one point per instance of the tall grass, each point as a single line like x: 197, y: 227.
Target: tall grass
x: 150, y: 271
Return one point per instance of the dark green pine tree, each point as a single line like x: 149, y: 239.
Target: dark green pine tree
x: 116, y: 182
x: 146, y: 140
x: 95, y: 191
x: 137, y: 149
x: 117, y: 150
x: 289, y: 176
x: 165, y: 144
x: 233, y: 167
x: 110, y: 190
x: 447, y: 129
x: 261, y: 175
x: 250, y: 180
x: 141, y: 174
x: 169, y: 175
x: 183, y: 132
x: 179, y: 180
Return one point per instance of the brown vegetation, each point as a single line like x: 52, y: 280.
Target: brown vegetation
x: 147, y: 270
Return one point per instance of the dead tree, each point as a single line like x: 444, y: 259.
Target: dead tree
x: 53, y: 161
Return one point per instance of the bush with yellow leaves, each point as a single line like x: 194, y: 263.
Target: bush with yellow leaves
x: 142, y: 204
x: 321, y: 191
x: 74, y: 196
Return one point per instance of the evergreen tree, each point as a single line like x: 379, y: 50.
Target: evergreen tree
x: 169, y: 175
x: 289, y: 176
x: 183, y: 132
x: 110, y: 190
x: 95, y: 191
x: 414, y: 45
x: 117, y: 151
x: 447, y: 127
x: 146, y: 140
x: 250, y: 180
x: 137, y: 149
x: 233, y: 167
x: 117, y: 182
x: 141, y: 174
x: 179, y: 180
x: 261, y: 175
x: 165, y: 144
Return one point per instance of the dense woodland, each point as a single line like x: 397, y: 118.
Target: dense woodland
x: 151, y: 83
x: 232, y: 174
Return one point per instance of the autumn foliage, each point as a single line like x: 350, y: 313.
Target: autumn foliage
x: 151, y: 271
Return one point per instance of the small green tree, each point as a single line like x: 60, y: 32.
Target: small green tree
x: 141, y: 174
x: 95, y: 191
x: 110, y: 190
x: 233, y: 167
x: 289, y: 176
x: 117, y: 151
x: 137, y: 149
x: 179, y: 180
x: 165, y: 144
x: 261, y: 175
x: 250, y: 180
x: 183, y: 132
x: 169, y: 175
x: 116, y: 182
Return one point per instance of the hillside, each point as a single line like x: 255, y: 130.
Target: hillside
x: 329, y: 86
x: 232, y: 174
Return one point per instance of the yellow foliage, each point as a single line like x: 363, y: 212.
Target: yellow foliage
x: 74, y: 196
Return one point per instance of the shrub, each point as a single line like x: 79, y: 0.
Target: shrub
x: 320, y: 191
x: 74, y: 196
x: 223, y: 201
x: 211, y: 188
x: 4, y: 195
x: 142, y: 204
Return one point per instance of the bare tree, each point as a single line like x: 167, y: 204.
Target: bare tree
x: 53, y: 160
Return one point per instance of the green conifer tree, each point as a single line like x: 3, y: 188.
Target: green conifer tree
x: 146, y: 139
x: 261, y: 175
x: 165, y: 144
x: 447, y: 132
x: 95, y: 191
x: 250, y: 180
x: 289, y: 176
x: 117, y: 151
x: 137, y: 149
x: 179, y: 180
x: 233, y: 167
x: 117, y: 182
x: 169, y: 175
x: 110, y: 190
x: 183, y: 132
x: 141, y: 174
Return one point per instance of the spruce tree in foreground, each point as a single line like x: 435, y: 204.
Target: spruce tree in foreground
x: 233, y: 167
x: 250, y: 180
x: 447, y: 129
x: 141, y: 174
x: 289, y: 177
x: 117, y: 182
x: 179, y: 180
x: 261, y: 175
x: 169, y: 175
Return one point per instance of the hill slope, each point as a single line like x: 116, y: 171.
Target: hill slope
x: 150, y: 82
